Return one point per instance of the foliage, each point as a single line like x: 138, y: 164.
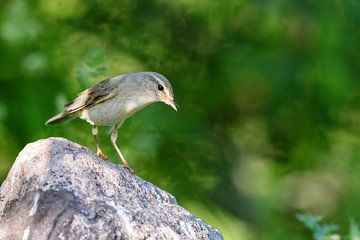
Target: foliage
x: 327, y: 231
x: 268, y: 93
x: 321, y: 232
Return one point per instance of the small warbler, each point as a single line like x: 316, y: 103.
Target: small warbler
x: 115, y: 99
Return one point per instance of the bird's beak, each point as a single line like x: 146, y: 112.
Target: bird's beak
x: 171, y: 102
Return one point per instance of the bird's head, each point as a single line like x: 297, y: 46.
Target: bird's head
x: 160, y: 88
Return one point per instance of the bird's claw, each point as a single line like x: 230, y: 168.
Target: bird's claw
x: 102, y: 155
x: 126, y: 165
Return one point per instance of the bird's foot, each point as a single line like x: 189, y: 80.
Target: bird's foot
x: 101, y: 154
x: 126, y: 165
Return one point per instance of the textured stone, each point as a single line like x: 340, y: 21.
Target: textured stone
x: 57, y: 189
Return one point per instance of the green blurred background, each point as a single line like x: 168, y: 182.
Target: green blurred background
x: 268, y: 93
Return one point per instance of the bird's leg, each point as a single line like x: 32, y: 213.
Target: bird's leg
x: 114, y: 136
x: 99, y: 152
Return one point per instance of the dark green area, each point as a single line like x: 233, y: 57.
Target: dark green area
x: 268, y: 94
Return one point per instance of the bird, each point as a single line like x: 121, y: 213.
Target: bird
x: 113, y: 100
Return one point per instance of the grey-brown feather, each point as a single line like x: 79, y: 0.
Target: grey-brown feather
x: 94, y: 95
x: 59, y: 118
x: 91, y: 96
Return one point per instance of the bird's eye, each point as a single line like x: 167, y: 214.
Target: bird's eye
x: 160, y: 87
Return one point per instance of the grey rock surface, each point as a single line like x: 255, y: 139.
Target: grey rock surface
x: 57, y: 189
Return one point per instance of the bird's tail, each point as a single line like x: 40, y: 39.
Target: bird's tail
x: 59, y: 118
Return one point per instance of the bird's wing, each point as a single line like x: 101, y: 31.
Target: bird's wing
x: 99, y: 93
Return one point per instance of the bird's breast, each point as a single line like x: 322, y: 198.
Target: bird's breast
x: 107, y: 113
x: 111, y: 112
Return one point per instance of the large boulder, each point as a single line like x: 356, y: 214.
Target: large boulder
x: 57, y: 189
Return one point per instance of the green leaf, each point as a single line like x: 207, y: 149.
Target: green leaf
x: 325, y: 231
x: 311, y: 222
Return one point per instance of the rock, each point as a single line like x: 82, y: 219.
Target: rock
x: 57, y: 189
